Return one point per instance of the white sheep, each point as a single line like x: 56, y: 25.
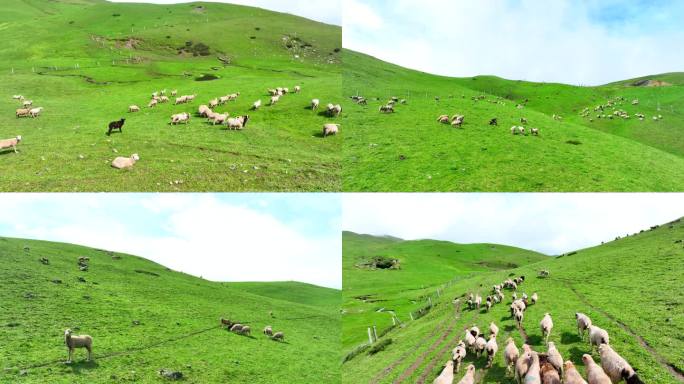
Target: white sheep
x: 493, y: 329
x: 125, y: 162
x: 34, y: 112
x: 572, y: 376
x: 597, y: 336
x: 583, y: 323
x: 163, y: 99
x: 534, y: 298
x: 478, y: 301
x: 245, y: 331
x: 238, y: 122
x: 480, y: 345
x: 189, y: 98
x: 133, y: 108
x: 236, y: 327
x: 615, y: 366
x: 274, y: 99
x: 522, y: 364
x: 334, y: 110
x: 278, y: 336
x: 469, y: 340
x: 18, y: 97
x: 213, y: 103
x: 220, y: 118
x: 457, y: 121
x: 554, y: 357
x: 469, y: 377
x: 181, y: 100
x: 491, y: 347
x: 546, y: 325
x: 233, y: 96
x: 223, y: 99
x: 330, y: 129
x: 152, y: 103
x: 27, y: 103
x: 314, y: 104
x: 203, y: 110
x: 256, y: 105
x: 268, y: 330
x: 595, y: 374
x: 447, y: 374
x: 23, y: 112
x: 458, y: 354
x: 297, y: 89
x: 183, y: 117
x: 519, y: 315
x: 174, y: 92
x: 10, y: 143
x: 533, y: 375
x: 77, y: 341
x: 510, y: 354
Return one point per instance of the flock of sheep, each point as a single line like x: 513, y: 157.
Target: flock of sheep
x: 610, y: 110
x: 529, y: 366
x: 246, y: 330
x: 27, y: 110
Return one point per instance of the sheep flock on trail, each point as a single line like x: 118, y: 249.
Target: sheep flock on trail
x: 524, y: 364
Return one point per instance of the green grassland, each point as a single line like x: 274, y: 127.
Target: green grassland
x: 410, y: 151
x: 144, y: 317
x: 86, y: 61
x: 631, y: 287
x: 425, y: 266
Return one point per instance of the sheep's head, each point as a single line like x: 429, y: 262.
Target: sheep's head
x: 67, y: 332
x: 135, y: 157
x: 19, y: 138
x: 587, y: 359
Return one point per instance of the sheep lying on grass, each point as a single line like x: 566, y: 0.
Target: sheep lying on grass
x: 616, y: 367
x: 458, y: 354
x: 510, y: 354
x: 133, y: 108
x: 447, y: 375
x: 73, y: 341
x: 595, y: 374
x: 125, y: 162
x: 546, y: 325
x: 10, y: 143
x: 330, y: 129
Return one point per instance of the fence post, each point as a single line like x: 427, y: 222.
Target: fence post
x: 411, y: 313
x: 370, y: 336
x: 394, y: 321
x: 375, y: 333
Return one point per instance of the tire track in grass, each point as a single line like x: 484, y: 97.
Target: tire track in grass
x: 454, y: 341
x: 410, y: 370
x: 674, y: 370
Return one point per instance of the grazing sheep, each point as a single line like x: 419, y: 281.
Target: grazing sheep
x: 81, y: 341
x: 447, y: 374
x: 595, y: 374
x: 457, y: 121
x: 245, y: 331
x: 572, y: 376
x: 27, y: 103
x: 133, y: 108
x: 23, y: 112
x: 116, y: 125
x: 597, y: 336
x: 189, y: 98
x: 10, y: 143
x: 220, y: 118
x: 238, y: 122
x: 510, y: 354
x: 443, y: 119
x: 469, y: 377
x: 181, y: 100
x: 334, y: 110
x: 491, y: 347
x: 517, y: 130
x: 534, y: 131
x: 554, y: 357
x: 522, y: 364
x: 546, y: 325
x: 523, y: 120
x: 34, y: 112
x: 493, y: 329
x: 387, y: 108
x: 274, y: 99
x: 152, y: 103
x: 278, y: 336
x: 314, y: 104
x: 227, y: 323
x: 236, y: 327
x: 534, y: 298
x: 297, y: 89
x: 178, y: 118
x: 18, y: 97
x: 480, y: 345
x: 616, y: 367
x: 330, y: 129
x: 125, y: 162
x: 583, y: 323
x: 213, y: 103
x: 174, y: 92
x: 544, y: 273
x: 268, y: 330
x: 256, y: 105
x: 203, y: 110
x: 163, y: 99
x: 549, y: 374
x: 458, y: 354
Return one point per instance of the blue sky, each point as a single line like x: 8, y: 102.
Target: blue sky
x: 585, y: 42
x: 551, y: 223
x: 222, y: 237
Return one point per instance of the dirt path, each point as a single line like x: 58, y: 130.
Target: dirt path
x: 523, y: 333
x: 416, y: 364
x: 675, y: 371
x: 447, y: 346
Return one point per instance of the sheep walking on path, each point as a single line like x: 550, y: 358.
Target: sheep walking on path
x: 73, y: 341
x: 510, y: 355
x: 469, y: 377
x: 447, y: 375
x: 458, y: 354
x: 546, y: 325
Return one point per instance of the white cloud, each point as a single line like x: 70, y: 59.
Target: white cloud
x: 545, y: 222
x: 554, y: 41
x: 198, y: 234
x: 357, y: 14
x: 328, y: 11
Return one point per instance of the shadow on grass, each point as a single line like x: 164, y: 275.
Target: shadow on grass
x: 77, y: 367
x: 535, y: 340
x: 7, y: 152
x: 569, y: 338
x: 510, y: 328
x: 575, y: 354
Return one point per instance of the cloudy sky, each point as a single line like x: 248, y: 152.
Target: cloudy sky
x: 222, y: 237
x: 550, y: 223
x: 585, y: 42
x: 327, y: 11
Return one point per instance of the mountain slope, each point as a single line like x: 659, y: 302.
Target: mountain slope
x: 108, y: 56
x: 630, y: 286
x: 144, y: 317
x: 424, y: 266
x: 409, y: 151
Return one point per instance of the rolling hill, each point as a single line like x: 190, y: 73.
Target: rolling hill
x: 372, y: 295
x: 144, y: 317
x: 630, y: 286
x: 410, y: 151
x: 87, y: 61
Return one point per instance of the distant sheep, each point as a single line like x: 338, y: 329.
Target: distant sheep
x: 583, y: 324
x: 444, y: 119
x: 77, y: 341
x: 517, y: 130
x: 10, y: 143
x: 125, y: 162
x: 458, y: 354
x: 534, y: 298
x: 597, y: 336
x: 534, y: 131
x: 469, y: 377
x: 27, y: 103
x: 278, y: 336
x: 330, y: 129
x: 178, y: 118
x: 256, y: 105
x: 274, y: 99
x: 546, y: 325
x: 297, y: 89
x: 133, y: 108
x: 457, y: 121
x: 616, y: 367
x: 595, y: 374
x: 35, y: 112
x: 447, y: 374
x: 238, y: 122
x: 387, y: 108
x: 510, y: 354
x: 174, y: 92
x: 314, y: 104
x: 572, y: 376
x: 23, y: 112
x: 268, y: 330
x: 116, y: 125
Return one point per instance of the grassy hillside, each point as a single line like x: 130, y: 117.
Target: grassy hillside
x: 107, y: 56
x: 409, y: 151
x: 631, y: 287
x: 293, y: 291
x: 425, y: 265
x: 144, y: 317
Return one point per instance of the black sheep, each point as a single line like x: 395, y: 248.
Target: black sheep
x: 116, y: 125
